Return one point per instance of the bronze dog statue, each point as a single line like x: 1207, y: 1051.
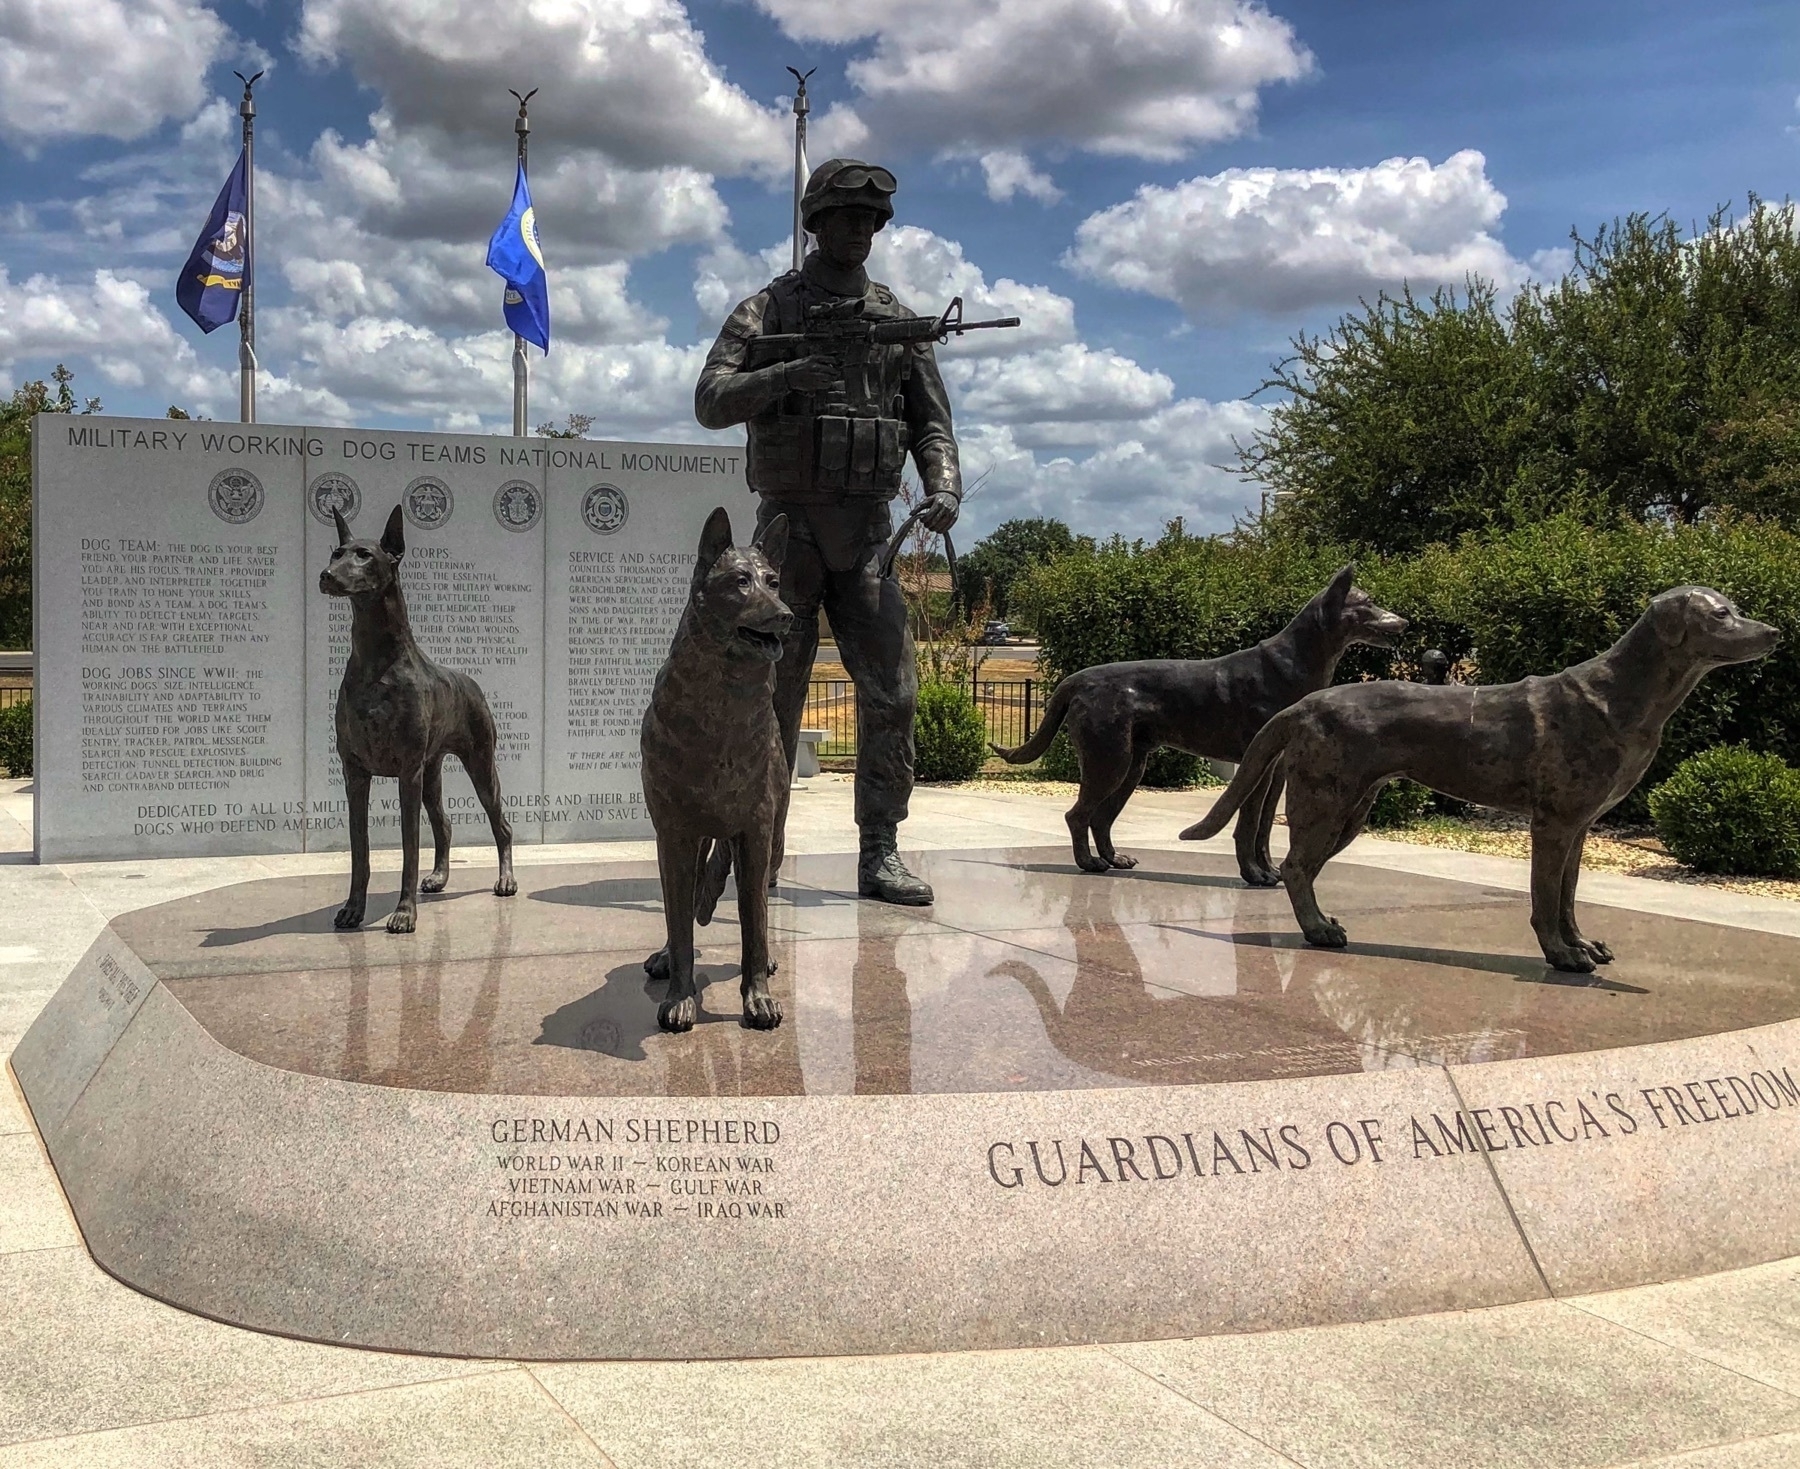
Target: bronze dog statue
x: 1562, y: 749
x: 399, y: 714
x: 715, y: 768
x: 1119, y: 713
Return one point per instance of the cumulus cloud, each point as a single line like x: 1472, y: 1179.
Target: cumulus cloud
x: 1144, y: 80
x: 628, y: 78
x: 1008, y: 173
x: 1287, y: 239
x: 1070, y: 394
x: 116, y: 68
x: 111, y: 321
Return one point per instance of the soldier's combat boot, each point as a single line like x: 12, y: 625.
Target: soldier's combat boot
x: 880, y: 873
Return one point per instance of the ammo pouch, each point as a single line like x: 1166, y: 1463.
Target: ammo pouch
x: 862, y: 456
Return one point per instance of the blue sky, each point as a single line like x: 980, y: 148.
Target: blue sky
x: 1167, y: 190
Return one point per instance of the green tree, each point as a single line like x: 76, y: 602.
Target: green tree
x: 1658, y: 380
x: 575, y: 426
x: 15, y: 494
x: 998, y: 561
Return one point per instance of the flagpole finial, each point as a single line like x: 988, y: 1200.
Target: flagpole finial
x: 247, y: 107
x: 522, y: 123
x: 801, y: 105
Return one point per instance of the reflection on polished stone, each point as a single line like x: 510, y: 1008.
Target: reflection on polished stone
x: 1025, y: 976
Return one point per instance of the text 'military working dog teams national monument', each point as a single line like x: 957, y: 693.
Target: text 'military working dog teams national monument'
x: 939, y: 1099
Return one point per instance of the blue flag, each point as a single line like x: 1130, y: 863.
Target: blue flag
x: 212, y: 282
x: 514, y: 254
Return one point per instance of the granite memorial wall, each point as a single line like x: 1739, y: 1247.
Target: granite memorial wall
x: 188, y: 663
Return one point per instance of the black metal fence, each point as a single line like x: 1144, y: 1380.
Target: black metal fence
x: 1011, y: 707
x: 10, y: 696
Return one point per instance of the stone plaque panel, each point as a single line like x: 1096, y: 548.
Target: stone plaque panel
x: 473, y: 511
x: 168, y: 590
x: 624, y: 523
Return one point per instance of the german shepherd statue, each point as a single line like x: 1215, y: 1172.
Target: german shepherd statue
x: 1119, y: 713
x: 1562, y: 749
x: 715, y: 768
x: 400, y: 714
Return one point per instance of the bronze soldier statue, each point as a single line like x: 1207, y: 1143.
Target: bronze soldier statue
x: 831, y: 422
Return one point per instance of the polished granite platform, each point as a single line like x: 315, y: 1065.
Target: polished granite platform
x: 1053, y: 1108
x: 1025, y: 976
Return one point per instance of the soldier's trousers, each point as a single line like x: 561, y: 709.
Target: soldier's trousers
x: 833, y: 561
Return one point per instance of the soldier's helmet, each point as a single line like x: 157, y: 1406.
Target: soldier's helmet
x: 839, y: 183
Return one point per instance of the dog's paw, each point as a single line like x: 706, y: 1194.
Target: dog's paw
x: 1260, y: 877
x: 678, y: 1015
x: 762, y: 1011
x: 1327, y: 935
x: 1569, y: 958
x: 505, y: 885
x: 349, y: 916
x: 657, y: 965
x: 434, y: 882
x: 1121, y: 861
x: 1093, y: 864
x: 401, y: 920
x: 1598, y: 951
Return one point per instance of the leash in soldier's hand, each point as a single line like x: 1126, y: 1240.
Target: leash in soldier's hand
x: 899, y: 539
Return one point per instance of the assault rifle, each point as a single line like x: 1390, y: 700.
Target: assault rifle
x: 833, y: 326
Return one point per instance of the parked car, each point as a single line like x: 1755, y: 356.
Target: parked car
x: 994, y: 633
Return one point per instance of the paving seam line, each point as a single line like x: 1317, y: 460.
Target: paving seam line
x: 561, y: 1407
x: 1500, y: 1188
x: 1574, y: 1303
x: 1212, y: 1413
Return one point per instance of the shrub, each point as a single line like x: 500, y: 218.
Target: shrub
x: 15, y: 739
x: 949, y: 736
x: 1399, y: 803
x: 1731, y: 810
x: 1167, y: 769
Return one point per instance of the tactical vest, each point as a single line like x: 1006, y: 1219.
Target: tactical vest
x: 846, y: 442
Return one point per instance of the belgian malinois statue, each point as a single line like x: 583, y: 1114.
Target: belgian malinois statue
x: 715, y: 768
x: 399, y: 714
x: 1563, y: 749
x: 1119, y: 713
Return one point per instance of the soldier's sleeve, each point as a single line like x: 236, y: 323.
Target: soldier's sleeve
x: 727, y: 392
x: 928, y: 425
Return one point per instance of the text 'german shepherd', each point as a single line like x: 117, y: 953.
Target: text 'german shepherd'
x: 399, y: 714
x: 715, y: 769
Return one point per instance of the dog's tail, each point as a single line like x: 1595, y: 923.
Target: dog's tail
x: 1268, y: 747
x: 1054, y: 713
x: 711, y: 884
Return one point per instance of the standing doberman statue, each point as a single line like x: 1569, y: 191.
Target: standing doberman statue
x: 399, y: 714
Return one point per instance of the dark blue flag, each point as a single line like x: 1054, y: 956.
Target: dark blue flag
x: 514, y: 254
x: 212, y: 281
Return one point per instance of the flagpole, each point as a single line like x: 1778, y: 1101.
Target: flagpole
x: 247, y: 305
x: 801, y: 107
x: 520, y: 364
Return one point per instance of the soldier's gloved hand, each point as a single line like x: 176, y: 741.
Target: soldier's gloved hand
x: 810, y: 374
x: 940, y: 512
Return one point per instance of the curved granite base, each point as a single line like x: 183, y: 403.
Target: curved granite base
x: 1053, y: 1109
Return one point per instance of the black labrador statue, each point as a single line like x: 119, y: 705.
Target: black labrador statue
x: 1119, y: 713
x: 399, y: 714
x: 1562, y: 749
x: 715, y: 768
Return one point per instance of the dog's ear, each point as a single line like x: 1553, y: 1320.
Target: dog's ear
x: 393, y: 535
x: 772, y: 541
x: 1668, y: 616
x: 343, y: 526
x: 1337, y: 590
x: 715, y: 539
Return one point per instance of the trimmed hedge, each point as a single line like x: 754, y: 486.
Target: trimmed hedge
x: 1399, y: 803
x: 15, y: 739
x: 949, y: 735
x: 1733, y: 811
